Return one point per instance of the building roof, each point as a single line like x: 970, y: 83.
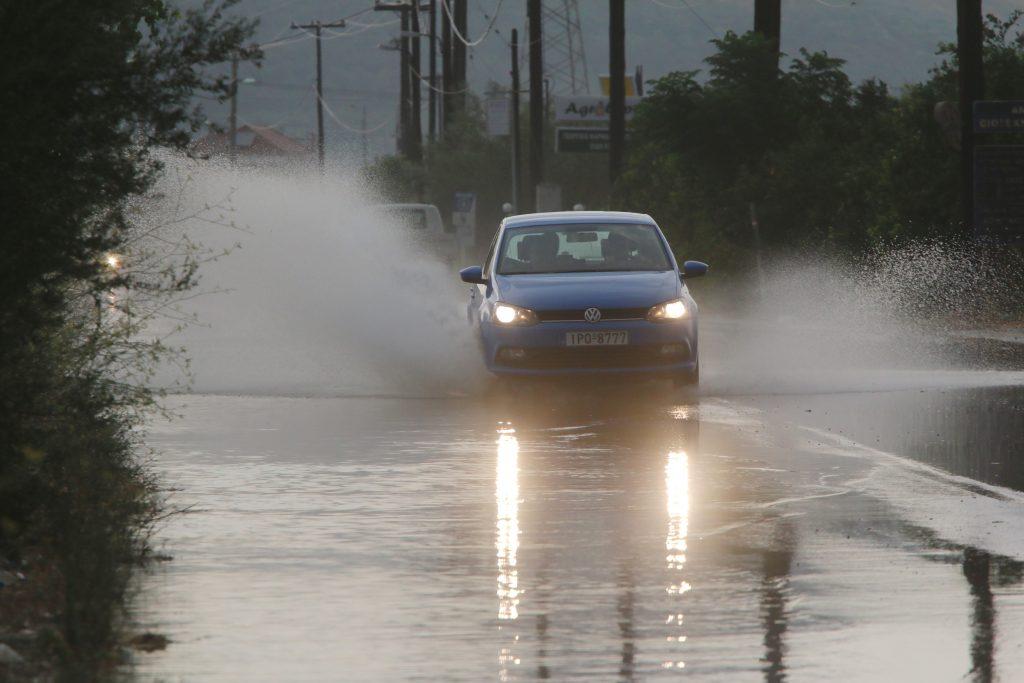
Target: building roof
x: 255, y: 140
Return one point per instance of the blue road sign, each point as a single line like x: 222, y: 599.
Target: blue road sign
x: 998, y: 116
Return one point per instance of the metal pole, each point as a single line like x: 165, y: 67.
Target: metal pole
x: 432, y: 95
x: 617, y: 74
x: 233, y: 115
x: 969, y: 34
x: 403, y: 90
x: 461, y: 24
x: 366, y: 155
x: 317, y: 26
x: 533, y: 11
x: 416, y: 132
x: 319, y: 99
x: 768, y: 22
x: 515, y: 121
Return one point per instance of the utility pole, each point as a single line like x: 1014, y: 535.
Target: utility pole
x: 410, y: 132
x: 404, y: 136
x: 317, y: 26
x: 459, y: 53
x: 617, y: 76
x: 533, y: 13
x: 366, y: 155
x: 233, y: 115
x: 447, y: 99
x: 969, y: 35
x: 516, y: 180
x: 432, y: 94
x: 415, y: 108
x: 768, y: 22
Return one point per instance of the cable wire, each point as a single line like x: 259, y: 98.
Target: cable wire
x: 351, y: 129
x: 426, y: 82
x: 458, y: 34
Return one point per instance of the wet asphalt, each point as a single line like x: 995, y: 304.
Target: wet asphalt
x: 595, y: 533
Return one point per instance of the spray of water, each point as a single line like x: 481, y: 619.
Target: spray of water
x: 323, y: 296
x: 890, y: 321
x: 319, y: 295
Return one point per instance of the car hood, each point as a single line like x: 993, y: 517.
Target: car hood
x: 565, y: 291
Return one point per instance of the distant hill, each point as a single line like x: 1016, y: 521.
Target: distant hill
x: 894, y: 40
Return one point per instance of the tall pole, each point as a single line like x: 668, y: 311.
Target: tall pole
x: 319, y: 100
x: 432, y: 94
x: 768, y: 22
x: 416, y: 121
x: 516, y: 181
x: 447, y: 106
x: 233, y: 114
x: 969, y: 35
x: 536, y: 99
x: 366, y: 155
x: 617, y: 75
x: 403, y: 89
x: 317, y: 26
x: 459, y: 46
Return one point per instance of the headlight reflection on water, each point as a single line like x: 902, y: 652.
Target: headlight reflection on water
x: 677, y: 493
x: 507, y: 542
x: 506, y: 493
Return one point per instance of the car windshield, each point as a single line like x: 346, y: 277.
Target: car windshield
x: 582, y: 248
x: 413, y: 219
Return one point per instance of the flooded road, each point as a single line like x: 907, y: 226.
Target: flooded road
x: 616, y: 534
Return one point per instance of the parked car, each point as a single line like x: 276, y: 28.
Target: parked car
x: 424, y: 223
x: 584, y: 292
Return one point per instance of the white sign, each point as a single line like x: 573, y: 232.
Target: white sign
x: 499, y: 115
x: 580, y: 108
x: 464, y: 218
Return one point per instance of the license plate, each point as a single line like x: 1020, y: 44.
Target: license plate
x: 602, y: 338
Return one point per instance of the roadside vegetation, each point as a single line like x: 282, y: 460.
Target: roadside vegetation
x: 89, y: 92
x: 824, y: 164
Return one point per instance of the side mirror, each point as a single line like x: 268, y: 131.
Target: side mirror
x: 694, y: 269
x: 474, y: 275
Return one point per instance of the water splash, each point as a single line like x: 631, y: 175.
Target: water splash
x: 319, y: 295
x: 822, y: 324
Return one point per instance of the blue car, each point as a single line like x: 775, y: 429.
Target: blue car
x: 584, y: 292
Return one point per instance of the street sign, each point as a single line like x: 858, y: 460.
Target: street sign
x: 584, y: 108
x: 464, y: 218
x: 549, y: 197
x: 583, y: 140
x: 499, y: 116
x: 998, y: 116
x: 999, y: 192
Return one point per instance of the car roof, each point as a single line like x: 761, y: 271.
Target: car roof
x: 405, y: 206
x: 562, y: 217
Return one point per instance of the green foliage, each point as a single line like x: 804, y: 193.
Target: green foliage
x: 88, y: 91
x: 821, y: 161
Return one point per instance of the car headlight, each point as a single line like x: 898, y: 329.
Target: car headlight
x: 507, y: 314
x: 668, y: 311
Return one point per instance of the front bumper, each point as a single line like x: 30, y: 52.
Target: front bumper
x: 540, y: 350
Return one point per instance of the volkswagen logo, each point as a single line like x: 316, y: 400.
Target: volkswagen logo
x: 592, y: 315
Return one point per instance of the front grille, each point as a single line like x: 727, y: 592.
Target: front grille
x: 595, y: 357
x: 606, y: 314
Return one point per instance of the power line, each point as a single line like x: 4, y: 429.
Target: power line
x: 697, y: 14
x: 442, y: 91
x: 458, y: 34
x: 694, y: 12
x: 352, y: 129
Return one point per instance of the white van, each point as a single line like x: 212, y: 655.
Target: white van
x: 424, y: 222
